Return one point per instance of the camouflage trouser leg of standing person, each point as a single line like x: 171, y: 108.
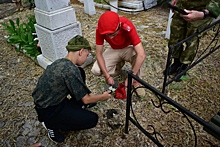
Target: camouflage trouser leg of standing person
x: 181, y: 29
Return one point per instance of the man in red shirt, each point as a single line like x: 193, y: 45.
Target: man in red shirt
x: 125, y: 45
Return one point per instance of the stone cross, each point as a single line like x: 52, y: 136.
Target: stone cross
x: 56, y: 25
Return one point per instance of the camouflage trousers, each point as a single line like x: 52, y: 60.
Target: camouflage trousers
x: 181, y: 29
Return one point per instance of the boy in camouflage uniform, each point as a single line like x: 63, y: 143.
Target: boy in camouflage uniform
x: 62, y: 78
x: 200, y: 15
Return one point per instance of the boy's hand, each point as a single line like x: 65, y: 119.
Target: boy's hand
x: 106, y: 95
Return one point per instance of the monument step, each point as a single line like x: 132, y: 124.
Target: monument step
x: 55, y: 19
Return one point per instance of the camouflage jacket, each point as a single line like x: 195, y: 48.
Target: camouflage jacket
x: 59, y: 79
x: 212, y: 5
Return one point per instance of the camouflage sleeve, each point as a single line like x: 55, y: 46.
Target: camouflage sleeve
x: 214, y: 8
x: 75, y: 83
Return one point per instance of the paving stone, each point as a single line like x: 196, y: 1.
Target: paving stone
x: 21, y: 141
x: 2, y: 124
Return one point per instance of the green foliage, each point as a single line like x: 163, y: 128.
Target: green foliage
x: 174, y: 108
x: 184, y: 78
x: 101, y: 1
x: 27, y: 2
x: 192, y: 83
x: 175, y: 86
x: 21, y: 36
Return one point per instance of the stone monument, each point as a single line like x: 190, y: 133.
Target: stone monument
x: 56, y: 25
x: 149, y: 4
x: 89, y: 7
x: 115, y: 4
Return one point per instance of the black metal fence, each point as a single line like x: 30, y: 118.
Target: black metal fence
x: 164, y: 99
x: 202, y: 53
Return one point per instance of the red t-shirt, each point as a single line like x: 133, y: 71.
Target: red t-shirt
x: 127, y: 35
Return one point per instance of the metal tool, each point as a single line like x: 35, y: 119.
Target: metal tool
x: 112, y: 89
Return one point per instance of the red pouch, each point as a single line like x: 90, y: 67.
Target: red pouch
x: 120, y: 92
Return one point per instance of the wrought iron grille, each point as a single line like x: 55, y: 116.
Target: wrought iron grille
x: 203, y: 52
x: 163, y: 100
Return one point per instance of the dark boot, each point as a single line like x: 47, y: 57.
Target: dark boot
x: 182, y: 68
x: 174, y: 67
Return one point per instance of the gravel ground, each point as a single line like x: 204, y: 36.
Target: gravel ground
x: 200, y: 93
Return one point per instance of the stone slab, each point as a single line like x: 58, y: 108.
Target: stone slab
x: 56, y: 19
x: 115, y: 4
x: 51, y: 5
x: 133, y: 4
x: 53, y: 42
x: 43, y: 61
x: 89, y: 7
x: 149, y: 4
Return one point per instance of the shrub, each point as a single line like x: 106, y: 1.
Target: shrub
x: 22, y: 36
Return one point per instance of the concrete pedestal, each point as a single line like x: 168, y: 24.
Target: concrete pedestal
x: 149, y: 4
x: 89, y: 7
x: 55, y: 19
x: 53, y: 42
x: 43, y: 62
x: 51, y: 5
x: 56, y: 25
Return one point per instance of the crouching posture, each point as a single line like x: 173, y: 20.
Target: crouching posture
x: 62, y: 78
x: 125, y: 46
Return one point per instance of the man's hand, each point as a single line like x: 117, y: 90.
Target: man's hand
x: 193, y: 15
x: 126, y: 82
x: 110, y: 80
x: 174, y: 2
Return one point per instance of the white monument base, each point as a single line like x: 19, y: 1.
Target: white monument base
x: 149, y: 4
x: 43, y: 62
x: 132, y: 4
x: 53, y: 43
x: 56, y: 25
x: 55, y: 19
x: 51, y: 5
x: 89, y: 7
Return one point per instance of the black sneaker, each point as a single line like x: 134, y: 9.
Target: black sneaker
x: 54, y: 135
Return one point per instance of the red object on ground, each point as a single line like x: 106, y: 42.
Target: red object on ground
x: 120, y: 92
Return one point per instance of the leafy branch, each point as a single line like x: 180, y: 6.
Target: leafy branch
x: 20, y: 34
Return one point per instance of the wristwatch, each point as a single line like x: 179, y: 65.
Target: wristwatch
x: 205, y: 13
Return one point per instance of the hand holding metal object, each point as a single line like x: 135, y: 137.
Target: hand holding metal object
x: 112, y: 89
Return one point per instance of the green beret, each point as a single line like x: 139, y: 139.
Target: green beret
x: 77, y: 43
